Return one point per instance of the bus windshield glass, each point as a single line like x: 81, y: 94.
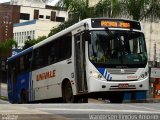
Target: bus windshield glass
x: 117, y: 48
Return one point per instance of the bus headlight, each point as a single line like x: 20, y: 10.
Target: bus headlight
x: 96, y: 75
x: 144, y: 75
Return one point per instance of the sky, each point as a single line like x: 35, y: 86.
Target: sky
x: 51, y: 3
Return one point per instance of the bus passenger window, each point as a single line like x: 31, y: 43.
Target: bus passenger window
x: 65, y: 48
x: 52, y: 53
x: 38, y: 59
x: 22, y: 66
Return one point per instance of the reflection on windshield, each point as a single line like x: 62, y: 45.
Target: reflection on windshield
x: 117, y: 47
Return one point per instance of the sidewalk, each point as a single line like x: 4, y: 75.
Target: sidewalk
x: 4, y: 86
x: 3, y: 91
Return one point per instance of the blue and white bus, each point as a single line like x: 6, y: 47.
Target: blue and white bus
x: 96, y: 57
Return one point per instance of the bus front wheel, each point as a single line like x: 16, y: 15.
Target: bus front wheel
x: 116, y: 97
x: 67, y: 93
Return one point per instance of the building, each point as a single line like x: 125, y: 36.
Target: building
x: 31, y: 30
x: 36, y: 19
x: 152, y: 35
x: 9, y: 14
x: 31, y: 3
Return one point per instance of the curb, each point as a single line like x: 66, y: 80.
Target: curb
x: 152, y: 100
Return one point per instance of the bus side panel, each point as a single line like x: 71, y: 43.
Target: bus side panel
x: 22, y: 84
x: 47, y: 81
x: 15, y: 89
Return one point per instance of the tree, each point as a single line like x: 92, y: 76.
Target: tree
x: 62, y: 26
x: 107, y: 8
x: 5, y: 51
x: 77, y: 9
x: 29, y: 43
x: 132, y: 9
x: 80, y: 9
x: 6, y: 47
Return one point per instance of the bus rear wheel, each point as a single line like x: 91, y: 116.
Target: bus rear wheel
x: 67, y: 93
x: 24, y: 98
x: 81, y: 100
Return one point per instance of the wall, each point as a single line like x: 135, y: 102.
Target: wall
x: 31, y: 3
x: 42, y: 11
x: 32, y: 30
x: 152, y: 35
x: 43, y: 28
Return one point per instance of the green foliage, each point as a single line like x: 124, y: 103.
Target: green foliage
x: 7, y: 45
x: 30, y: 43
x: 62, y: 26
x: 79, y: 10
x: 139, y: 9
x: 41, y: 38
x: 131, y: 9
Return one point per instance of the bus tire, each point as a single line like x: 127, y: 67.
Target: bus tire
x: 67, y: 93
x: 24, y: 98
x: 116, y: 97
x: 81, y: 100
x: 84, y: 100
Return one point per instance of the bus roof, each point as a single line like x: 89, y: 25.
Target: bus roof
x: 73, y: 27
x: 63, y: 32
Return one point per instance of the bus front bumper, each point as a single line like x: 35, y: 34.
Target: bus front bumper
x: 96, y: 85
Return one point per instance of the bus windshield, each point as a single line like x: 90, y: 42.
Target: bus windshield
x: 117, y: 48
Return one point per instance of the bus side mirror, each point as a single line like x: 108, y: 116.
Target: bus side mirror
x: 87, y: 36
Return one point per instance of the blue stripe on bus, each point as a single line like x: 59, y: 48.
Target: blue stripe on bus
x: 108, y: 78
x: 20, y: 53
x: 105, y: 73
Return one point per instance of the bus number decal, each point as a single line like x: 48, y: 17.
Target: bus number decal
x: 46, y: 75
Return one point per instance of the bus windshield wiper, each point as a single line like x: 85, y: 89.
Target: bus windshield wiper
x: 119, y: 41
x: 111, y: 34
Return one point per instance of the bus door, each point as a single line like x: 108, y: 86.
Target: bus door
x: 80, y: 68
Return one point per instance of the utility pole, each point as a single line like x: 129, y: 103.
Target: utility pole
x: 155, y: 57
x: 0, y: 75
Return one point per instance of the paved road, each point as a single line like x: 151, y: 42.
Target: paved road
x: 85, y: 111
x: 97, y: 110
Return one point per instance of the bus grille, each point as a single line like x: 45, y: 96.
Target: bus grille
x: 122, y: 71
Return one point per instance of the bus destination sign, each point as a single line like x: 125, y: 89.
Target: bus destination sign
x: 105, y: 23
x: 115, y: 23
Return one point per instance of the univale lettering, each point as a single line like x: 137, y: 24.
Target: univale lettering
x: 46, y: 75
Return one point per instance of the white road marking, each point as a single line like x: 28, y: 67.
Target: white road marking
x: 140, y: 107
x: 97, y: 110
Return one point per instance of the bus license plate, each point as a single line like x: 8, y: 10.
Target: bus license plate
x: 123, y: 86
